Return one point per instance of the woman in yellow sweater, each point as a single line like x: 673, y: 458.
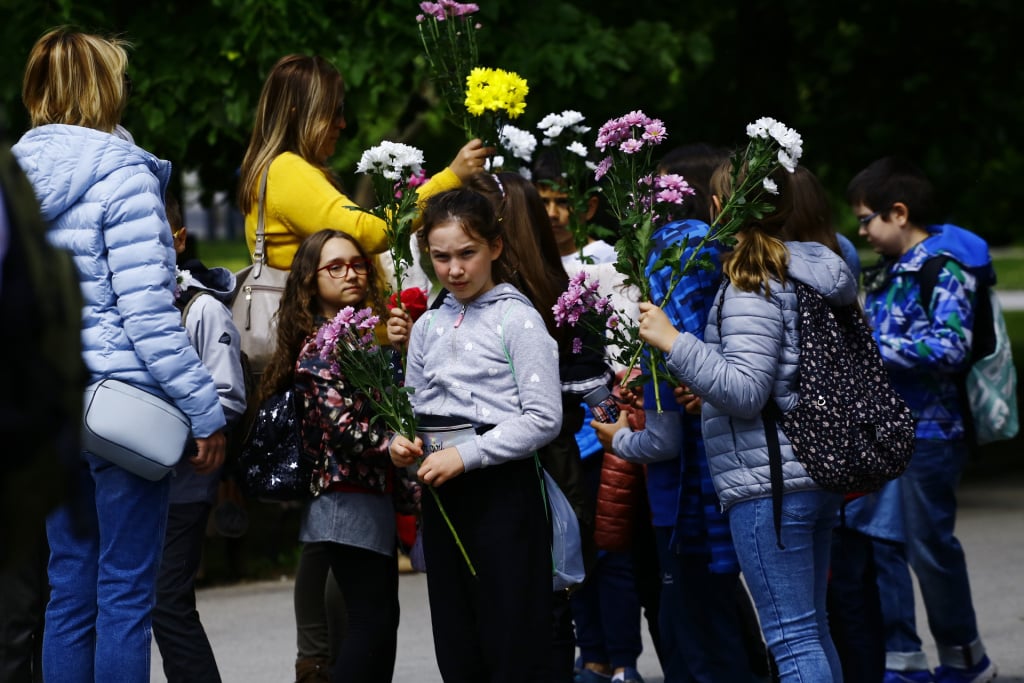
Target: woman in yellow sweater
x: 300, y: 114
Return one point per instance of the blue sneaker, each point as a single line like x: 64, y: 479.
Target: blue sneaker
x: 982, y: 672
x: 630, y: 675
x: 916, y: 676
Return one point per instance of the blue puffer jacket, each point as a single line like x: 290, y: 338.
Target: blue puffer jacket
x: 103, y: 200
x: 752, y: 358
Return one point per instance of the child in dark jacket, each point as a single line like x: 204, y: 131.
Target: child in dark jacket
x: 202, y: 295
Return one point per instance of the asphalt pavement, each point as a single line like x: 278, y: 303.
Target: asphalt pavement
x: 252, y: 625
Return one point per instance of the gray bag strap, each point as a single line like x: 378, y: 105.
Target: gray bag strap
x: 259, y: 255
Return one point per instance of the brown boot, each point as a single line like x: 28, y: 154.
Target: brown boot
x: 311, y: 670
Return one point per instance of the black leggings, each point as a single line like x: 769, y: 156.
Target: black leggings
x: 369, y: 584
x: 495, y: 626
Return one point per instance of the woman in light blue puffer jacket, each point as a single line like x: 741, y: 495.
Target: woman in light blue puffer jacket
x: 103, y: 200
x: 747, y: 359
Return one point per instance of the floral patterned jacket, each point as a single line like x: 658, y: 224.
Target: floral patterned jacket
x: 336, y: 423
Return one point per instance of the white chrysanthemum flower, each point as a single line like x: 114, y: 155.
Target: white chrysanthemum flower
x: 578, y: 149
x: 787, y: 161
x: 759, y: 128
x: 495, y: 163
x: 393, y: 160
x: 519, y: 142
x: 526, y: 173
x: 770, y: 186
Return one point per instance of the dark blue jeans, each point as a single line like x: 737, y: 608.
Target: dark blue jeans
x: 928, y: 489
x: 701, y: 634
x: 854, y: 607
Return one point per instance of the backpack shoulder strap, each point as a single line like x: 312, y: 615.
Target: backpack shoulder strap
x: 188, y: 298
x: 928, y: 277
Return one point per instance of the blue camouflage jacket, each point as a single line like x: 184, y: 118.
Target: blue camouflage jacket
x: 925, y: 345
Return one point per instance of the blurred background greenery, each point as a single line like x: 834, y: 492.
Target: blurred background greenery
x: 930, y: 79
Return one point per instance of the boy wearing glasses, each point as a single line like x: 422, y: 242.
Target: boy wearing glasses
x: 201, y: 295
x: 925, y: 345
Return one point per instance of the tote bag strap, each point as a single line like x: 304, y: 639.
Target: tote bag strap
x: 259, y: 255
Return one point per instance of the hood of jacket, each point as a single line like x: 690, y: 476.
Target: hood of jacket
x: 821, y: 268
x: 218, y: 281
x: 63, y: 162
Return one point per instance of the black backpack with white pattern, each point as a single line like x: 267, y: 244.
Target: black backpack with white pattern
x: 850, y: 430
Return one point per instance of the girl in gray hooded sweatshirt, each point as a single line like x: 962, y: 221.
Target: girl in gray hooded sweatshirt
x: 483, y: 359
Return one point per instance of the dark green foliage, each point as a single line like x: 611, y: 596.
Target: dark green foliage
x: 929, y: 79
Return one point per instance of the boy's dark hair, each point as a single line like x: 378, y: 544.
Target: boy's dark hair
x: 894, y: 179
x: 547, y: 168
x: 696, y: 163
x: 173, y: 208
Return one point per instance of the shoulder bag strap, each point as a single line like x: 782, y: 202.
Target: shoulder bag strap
x: 259, y: 256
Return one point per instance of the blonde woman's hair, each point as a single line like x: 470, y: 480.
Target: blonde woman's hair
x: 76, y: 79
x: 760, y: 254
x: 298, y: 104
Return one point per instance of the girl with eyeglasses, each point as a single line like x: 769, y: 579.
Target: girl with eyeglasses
x: 351, y: 525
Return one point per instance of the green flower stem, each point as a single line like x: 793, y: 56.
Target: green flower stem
x: 451, y: 527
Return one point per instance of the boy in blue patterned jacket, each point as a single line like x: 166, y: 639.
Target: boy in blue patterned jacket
x: 925, y: 345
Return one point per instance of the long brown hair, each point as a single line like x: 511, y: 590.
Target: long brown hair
x: 811, y: 218
x: 760, y: 254
x: 300, y: 99
x: 537, y: 269
x: 300, y: 306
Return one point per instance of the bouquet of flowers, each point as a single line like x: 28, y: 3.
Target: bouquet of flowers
x: 396, y: 170
x: 448, y: 33
x: 517, y: 144
x: 493, y: 96
x: 564, y: 134
x: 636, y: 198
x: 349, y: 344
x: 582, y: 305
x: 771, y: 146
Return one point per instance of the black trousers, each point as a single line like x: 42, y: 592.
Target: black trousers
x: 496, y: 626
x: 24, y: 591
x: 184, y: 646
x: 369, y: 586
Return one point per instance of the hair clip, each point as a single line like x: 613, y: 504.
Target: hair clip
x: 501, y: 188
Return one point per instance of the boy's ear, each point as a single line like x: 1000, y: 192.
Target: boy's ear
x: 591, y: 207
x: 899, y: 214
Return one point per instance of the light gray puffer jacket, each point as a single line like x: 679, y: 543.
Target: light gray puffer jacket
x: 103, y: 199
x: 752, y: 358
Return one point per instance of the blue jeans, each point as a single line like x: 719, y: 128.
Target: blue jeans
x: 701, y: 634
x: 789, y: 585
x: 928, y: 488
x: 103, y: 567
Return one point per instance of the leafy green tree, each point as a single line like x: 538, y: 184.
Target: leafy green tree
x: 930, y: 79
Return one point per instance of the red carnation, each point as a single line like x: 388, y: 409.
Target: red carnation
x: 414, y: 301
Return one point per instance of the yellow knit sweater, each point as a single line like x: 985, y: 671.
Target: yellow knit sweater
x: 301, y: 201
